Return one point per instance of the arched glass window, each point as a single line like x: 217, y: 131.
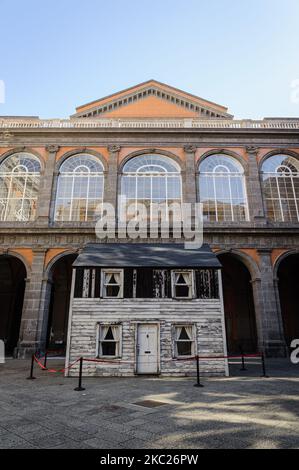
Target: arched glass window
x: 280, y: 179
x: 149, y: 179
x: 222, y: 189
x: 80, y: 189
x: 19, y: 184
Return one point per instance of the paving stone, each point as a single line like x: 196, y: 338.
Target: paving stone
x: 235, y: 412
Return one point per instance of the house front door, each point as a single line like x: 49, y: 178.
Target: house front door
x: 147, y: 349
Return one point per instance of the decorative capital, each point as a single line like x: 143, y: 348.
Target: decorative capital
x: 6, y: 135
x: 19, y: 149
x: 190, y: 148
x: 251, y: 149
x: 114, y: 148
x: 52, y: 148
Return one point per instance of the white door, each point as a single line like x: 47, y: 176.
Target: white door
x: 147, y: 349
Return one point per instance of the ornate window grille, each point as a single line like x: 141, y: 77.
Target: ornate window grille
x: 222, y: 189
x: 19, y: 184
x: 80, y: 189
x: 280, y: 180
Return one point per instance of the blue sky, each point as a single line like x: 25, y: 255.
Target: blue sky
x: 58, y: 54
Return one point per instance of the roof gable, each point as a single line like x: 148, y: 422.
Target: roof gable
x: 152, y: 99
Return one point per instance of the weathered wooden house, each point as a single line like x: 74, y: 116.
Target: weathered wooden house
x: 147, y: 309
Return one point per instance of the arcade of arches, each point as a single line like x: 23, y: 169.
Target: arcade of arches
x: 12, y: 287
x: 60, y: 281
x: 288, y: 284
x: 239, y: 306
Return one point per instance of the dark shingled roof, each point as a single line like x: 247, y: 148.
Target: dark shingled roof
x: 137, y: 255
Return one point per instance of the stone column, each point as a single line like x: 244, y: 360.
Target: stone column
x: 254, y: 189
x: 111, y: 186
x: 189, y: 176
x: 46, y: 186
x: 268, y: 316
x: 29, y: 340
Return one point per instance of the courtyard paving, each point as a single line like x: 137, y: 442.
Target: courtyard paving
x: 242, y: 411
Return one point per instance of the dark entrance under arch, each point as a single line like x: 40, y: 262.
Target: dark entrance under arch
x: 288, y: 284
x: 238, y: 306
x: 12, y: 288
x: 61, y: 278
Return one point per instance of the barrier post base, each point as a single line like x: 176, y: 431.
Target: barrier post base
x: 79, y: 389
x: 198, y: 385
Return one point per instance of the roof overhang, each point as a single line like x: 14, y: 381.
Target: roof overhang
x: 142, y: 255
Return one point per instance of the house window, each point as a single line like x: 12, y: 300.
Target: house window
x: 184, y: 340
x: 109, y: 341
x: 182, y: 284
x: 112, y: 284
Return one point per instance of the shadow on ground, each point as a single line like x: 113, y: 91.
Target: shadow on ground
x: 242, y: 411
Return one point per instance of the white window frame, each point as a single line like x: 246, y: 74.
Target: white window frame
x: 191, y: 285
x: 100, y: 341
x: 141, y: 172
x: 192, y: 341
x: 26, y: 170
x: 279, y: 176
x: 104, y: 272
x: 212, y: 176
x: 80, y: 170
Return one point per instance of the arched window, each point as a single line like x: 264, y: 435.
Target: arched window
x: 149, y: 179
x: 280, y: 179
x: 80, y: 189
x: 222, y: 189
x: 19, y: 184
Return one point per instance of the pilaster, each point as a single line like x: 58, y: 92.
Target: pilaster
x: 189, y: 176
x: 254, y: 189
x: 29, y: 340
x: 269, y: 322
x: 110, y: 189
x: 46, y: 185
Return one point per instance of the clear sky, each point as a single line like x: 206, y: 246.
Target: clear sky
x: 58, y: 54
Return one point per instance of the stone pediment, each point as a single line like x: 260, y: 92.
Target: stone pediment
x: 152, y: 99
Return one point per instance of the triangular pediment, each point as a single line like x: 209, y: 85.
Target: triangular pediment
x: 151, y: 99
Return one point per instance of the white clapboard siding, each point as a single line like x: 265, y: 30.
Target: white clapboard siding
x: 205, y: 314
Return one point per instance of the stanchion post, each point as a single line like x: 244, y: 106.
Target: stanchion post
x: 31, y: 368
x: 80, y: 388
x: 198, y: 384
x: 243, y: 360
x: 263, y: 366
x: 45, y: 361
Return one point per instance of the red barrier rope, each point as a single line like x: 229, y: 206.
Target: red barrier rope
x: 120, y: 362
x: 55, y: 370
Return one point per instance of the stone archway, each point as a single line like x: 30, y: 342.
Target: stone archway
x: 12, y: 288
x: 288, y: 286
x: 60, y: 278
x: 241, y: 330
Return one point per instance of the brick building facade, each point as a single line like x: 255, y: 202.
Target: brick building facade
x: 245, y: 172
